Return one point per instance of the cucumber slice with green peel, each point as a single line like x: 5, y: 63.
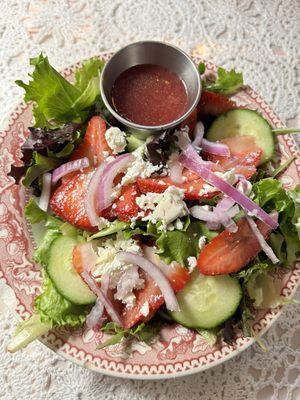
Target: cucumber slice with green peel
x: 207, y: 301
x: 133, y: 142
x: 242, y: 122
x: 65, y: 278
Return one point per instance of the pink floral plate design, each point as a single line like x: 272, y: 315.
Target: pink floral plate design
x: 178, y: 351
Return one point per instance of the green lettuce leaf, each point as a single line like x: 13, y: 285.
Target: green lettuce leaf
x: 55, y: 310
x: 295, y: 196
x: 114, y: 227
x: 179, y: 245
x: 39, y: 165
x: 57, y: 101
x: 262, y: 287
x: 41, y: 254
x: 270, y: 195
x: 210, y: 335
x: 144, y: 332
x: 87, y: 82
x: 26, y: 332
x: 253, y: 270
x: 35, y: 215
x: 227, y: 82
x: 263, y: 291
x: 54, y: 228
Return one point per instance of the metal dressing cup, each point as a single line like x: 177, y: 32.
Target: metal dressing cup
x: 151, y: 52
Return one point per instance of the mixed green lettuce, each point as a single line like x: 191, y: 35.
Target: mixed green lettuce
x: 60, y: 109
x: 179, y: 245
x: 55, y: 310
x: 261, y: 289
x: 226, y: 82
x: 270, y: 195
x: 57, y: 101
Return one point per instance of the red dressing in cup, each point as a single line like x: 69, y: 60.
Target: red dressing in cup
x: 149, y: 95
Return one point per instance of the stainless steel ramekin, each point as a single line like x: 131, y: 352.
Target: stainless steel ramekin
x: 151, y: 52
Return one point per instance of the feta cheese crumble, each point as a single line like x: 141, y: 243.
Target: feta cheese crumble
x: 139, y: 167
x: 123, y: 277
x: 178, y: 224
x: 192, y: 263
x: 228, y: 176
x: 166, y: 207
x: 145, y: 309
x: 116, y: 139
x: 103, y: 223
x: 201, y: 243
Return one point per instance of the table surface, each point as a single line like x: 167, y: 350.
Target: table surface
x: 259, y: 37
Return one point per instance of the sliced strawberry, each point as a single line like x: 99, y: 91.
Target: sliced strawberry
x: 77, y: 259
x: 213, y: 104
x: 190, y: 122
x: 94, y: 145
x: 192, y: 185
x: 67, y: 201
x: 245, y: 155
x: 243, y: 151
x: 124, y: 207
x: 229, y: 252
x: 151, y: 294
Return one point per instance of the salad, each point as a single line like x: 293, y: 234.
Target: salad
x: 186, y: 226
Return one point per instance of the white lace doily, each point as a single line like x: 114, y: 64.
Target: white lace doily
x: 259, y: 37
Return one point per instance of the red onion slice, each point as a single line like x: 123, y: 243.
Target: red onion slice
x: 156, y: 274
x: 111, y: 311
x: 107, y: 177
x: 244, y: 185
x: 261, y: 240
x: 46, y: 192
x: 216, y: 148
x: 88, y: 256
x: 191, y: 153
x: 195, y: 163
x: 90, y: 198
x: 200, y: 212
x: 213, y: 226
x: 68, y: 167
x: 95, y: 319
x: 176, y: 171
x: 225, y: 204
x: 198, y: 134
x: 230, y: 225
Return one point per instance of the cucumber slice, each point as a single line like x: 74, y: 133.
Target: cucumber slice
x: 207, y: 301
x: 65, y: 278
x: 244, y: 122
x: 133, y: 142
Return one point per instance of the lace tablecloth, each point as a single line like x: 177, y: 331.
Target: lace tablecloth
x: 259, y: 37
